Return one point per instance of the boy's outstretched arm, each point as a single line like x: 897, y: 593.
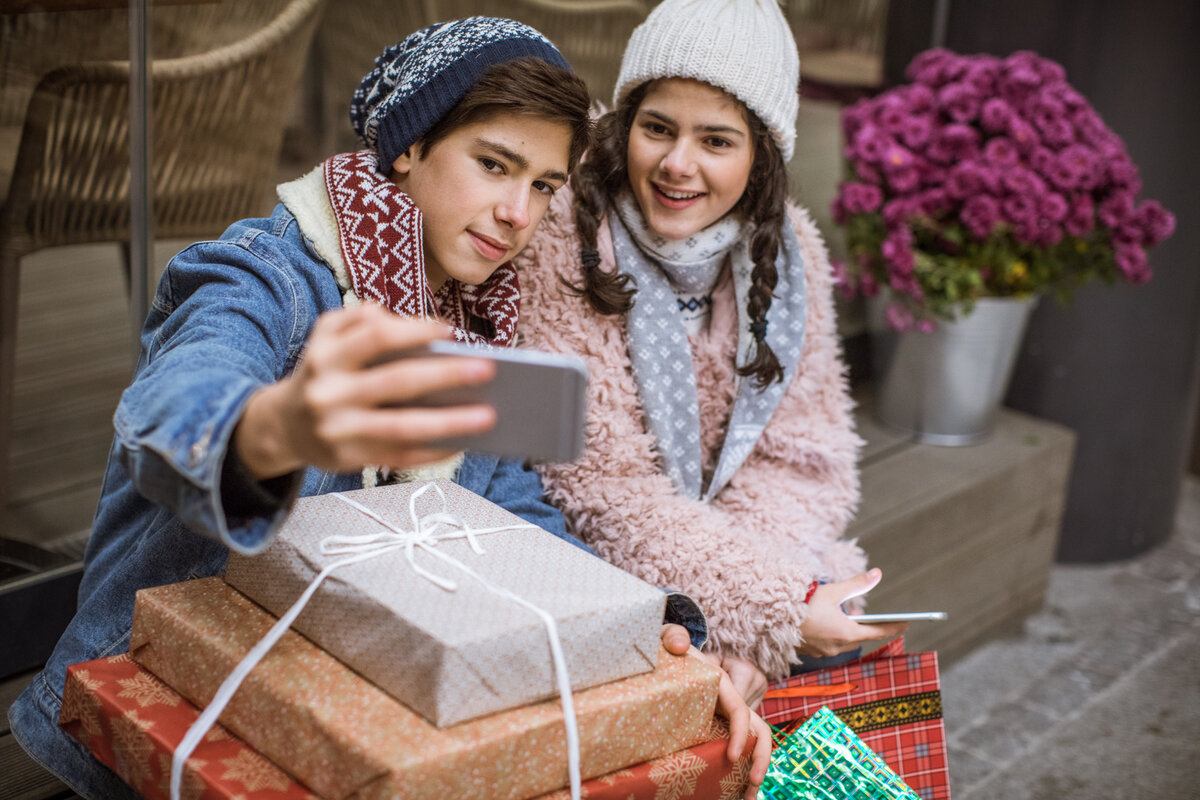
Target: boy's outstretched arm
x: 337, y: 410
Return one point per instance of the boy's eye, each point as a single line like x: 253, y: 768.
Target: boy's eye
x: 545, y: 188
x: 491, y: 164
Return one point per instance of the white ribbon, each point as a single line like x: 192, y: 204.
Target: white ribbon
x: 427, y: 531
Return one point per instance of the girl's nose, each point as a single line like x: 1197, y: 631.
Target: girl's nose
x: 678, y: 160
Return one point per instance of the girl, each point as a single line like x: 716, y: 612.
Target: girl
x: 720, y: 452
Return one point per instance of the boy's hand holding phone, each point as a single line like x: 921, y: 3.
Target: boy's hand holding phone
x: 344, y: 406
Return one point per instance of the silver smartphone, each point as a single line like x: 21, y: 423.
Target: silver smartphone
x: 540, y: 401
x: 904, y: 616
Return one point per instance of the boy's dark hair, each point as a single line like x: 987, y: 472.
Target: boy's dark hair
x: 605, y: 174
x: 526, y: 86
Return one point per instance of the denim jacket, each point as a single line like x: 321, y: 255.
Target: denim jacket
x: 229, y: 316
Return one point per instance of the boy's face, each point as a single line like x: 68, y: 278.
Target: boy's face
x: 482, y: 191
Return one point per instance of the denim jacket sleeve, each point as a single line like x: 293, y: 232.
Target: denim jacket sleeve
x: 229, y: 317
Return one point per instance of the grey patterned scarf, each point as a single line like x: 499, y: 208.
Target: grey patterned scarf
x: 661, y: 353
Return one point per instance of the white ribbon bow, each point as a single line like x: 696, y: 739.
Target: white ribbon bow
x: 427, y: 532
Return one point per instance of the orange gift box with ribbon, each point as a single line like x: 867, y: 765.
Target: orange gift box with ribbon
x: 343, y: 737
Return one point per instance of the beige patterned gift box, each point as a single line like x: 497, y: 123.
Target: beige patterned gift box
x: 344, y: 738
x: 454, y: 655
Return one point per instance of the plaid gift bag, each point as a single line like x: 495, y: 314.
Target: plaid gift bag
x: 890, y: 698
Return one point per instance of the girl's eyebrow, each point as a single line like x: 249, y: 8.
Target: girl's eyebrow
x: 516, y: 158
x: 722, y: 129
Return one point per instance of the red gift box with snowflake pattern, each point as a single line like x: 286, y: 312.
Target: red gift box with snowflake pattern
x: 132, y: 722
x: 890, y: 698
x: 702, y: 772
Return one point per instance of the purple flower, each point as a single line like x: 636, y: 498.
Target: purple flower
x: 1132, y: 262
x: 995, y: 115
x: 897, y: 250
x: 964, y: 180
x: 897, y: 212
x: 1020, y: 180
x: 1155, y: 221
x: 891, y: 112
x: 1124, y: 175
x: 861, y: 198
x: 870, y: 144
x: 981, y: 74
x: 1020, y: 208
x: 1075, y: 167
x: 1022, y: 134
x: 1001, y: 151
x: 935, y: 202
x: 936, y: 67
x: 867, y: 285
x: 1053, y: 206
x: 920, y: 98
x: 1058, y: 132
x: 1116, y: 209
x: 903, y: 179
x: 899, y: 317
x: 1081, y: 218
x: 917, y: 130
x: 1049, y: 234
x: 868, y: 174
x: 959, y: 101
x: 980, y: 213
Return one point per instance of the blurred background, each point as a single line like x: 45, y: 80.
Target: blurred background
x: 1099, y: 434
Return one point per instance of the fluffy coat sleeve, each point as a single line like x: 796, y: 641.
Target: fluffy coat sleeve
x: 749, y: 555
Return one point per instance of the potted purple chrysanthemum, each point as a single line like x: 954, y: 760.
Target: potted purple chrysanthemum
x: 985, y: 178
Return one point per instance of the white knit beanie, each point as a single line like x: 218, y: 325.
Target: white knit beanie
x: 742, y: 46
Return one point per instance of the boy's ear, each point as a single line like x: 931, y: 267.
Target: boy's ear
x: 404, y: 162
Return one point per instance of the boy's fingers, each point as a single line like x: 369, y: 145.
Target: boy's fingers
x: 675, y: 639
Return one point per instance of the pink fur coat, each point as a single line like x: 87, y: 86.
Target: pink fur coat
x: 749, y: 555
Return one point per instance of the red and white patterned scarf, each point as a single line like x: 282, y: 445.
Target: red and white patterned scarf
x: 379, y: 228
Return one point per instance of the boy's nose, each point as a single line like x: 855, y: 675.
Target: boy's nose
x: 514, y: 210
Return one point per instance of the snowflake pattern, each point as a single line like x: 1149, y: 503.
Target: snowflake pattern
x: 132, y: 747
x: 253, y: 771
x: 146, y: 690
x: 675, y: 776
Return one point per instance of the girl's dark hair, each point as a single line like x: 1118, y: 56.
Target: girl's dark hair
x: 604, y: 174
x: 523, y: 86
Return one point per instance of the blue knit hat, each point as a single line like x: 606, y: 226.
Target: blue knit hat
x: 416, y: 82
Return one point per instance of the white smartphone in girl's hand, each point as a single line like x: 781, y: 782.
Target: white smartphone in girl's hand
x: 902, y: 616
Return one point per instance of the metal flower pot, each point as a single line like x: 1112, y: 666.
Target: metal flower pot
x: 944, y: 387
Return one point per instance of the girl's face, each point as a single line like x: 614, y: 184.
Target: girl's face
x: 689, y: 157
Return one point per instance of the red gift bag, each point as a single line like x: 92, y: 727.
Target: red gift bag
x: 890, y: 698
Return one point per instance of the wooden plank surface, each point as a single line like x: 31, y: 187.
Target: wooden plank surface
x: 968, y: 530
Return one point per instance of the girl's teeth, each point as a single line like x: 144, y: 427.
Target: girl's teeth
x: 680, y: 195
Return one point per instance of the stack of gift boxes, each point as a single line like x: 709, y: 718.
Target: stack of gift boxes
x: 412, y: 673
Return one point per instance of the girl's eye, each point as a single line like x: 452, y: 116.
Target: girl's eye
x: 719, y: 143
x: 491, y: 164
x: 545, y: 188
x: 656, y: 128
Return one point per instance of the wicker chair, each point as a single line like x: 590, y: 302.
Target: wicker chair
x: 217, y: 121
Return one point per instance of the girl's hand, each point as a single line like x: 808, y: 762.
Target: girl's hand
x: 338, y: 410
x: 731, y: 706
x: 828, y: 631
x: 747, y: 678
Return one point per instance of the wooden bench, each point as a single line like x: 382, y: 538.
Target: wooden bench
x: 967, y: 530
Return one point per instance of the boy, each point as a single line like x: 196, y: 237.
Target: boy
x: 256, y: 386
